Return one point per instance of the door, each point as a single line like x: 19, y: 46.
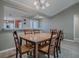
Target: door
x: 76, y: 27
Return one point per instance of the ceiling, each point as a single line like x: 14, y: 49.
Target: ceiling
x: 55, y: 7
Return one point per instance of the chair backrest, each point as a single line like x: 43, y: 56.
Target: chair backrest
x: 16, y: 39
x: 54, y: 40
x: 54, y: 37
x: 27, y: 32
x: 61, y: 35
x: 36, y: 31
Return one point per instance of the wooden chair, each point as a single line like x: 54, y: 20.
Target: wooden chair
x: 47, y: 42
x: 36, y: 31
x: 27, y: 32
x: 20, y: 49
x: 61, y: 37
x: 51, y: 48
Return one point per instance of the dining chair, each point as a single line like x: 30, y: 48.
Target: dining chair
x: 51, y: 48
x: 27, y: 32
x: 47, y: 42
x: 20, y: 49
x: 36, y: 31
x: 61, y: 37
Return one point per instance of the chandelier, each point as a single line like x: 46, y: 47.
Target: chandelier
x: 41, y: 4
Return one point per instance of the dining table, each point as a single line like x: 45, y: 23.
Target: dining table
x: 36, y: 39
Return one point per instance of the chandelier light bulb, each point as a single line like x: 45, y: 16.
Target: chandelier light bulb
x: 47, y: 4
x: 35, y: 3
x: 41, y: 4
x: 42, y: 1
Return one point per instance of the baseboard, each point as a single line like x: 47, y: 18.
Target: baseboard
x: 69, y: 40
x: 76, y: 40
x: 6, y: 50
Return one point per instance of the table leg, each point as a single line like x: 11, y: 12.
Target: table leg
x: 20, y: 41
x: 36, y: 50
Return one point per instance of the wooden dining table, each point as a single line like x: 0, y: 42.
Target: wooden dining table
x: 36, y: 39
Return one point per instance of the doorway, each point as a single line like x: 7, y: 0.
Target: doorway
x: 76, y: 27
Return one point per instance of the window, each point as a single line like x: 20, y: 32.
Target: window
x: 34, y: 24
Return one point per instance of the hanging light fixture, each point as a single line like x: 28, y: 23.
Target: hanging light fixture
x: 41, y: 4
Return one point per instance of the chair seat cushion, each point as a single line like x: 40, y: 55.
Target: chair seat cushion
x: 43, y: 45
x: 26, y: 48
x: 45, y: 49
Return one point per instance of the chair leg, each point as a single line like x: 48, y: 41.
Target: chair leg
x: 20, y: 55
x: 57, y: 52
x: 31, y: 53
x: 48, y: 56
x: 34, y: 51
x: 54, y: 55
x: 16, y: 53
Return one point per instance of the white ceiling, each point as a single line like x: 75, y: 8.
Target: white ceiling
x: 55, y: 7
